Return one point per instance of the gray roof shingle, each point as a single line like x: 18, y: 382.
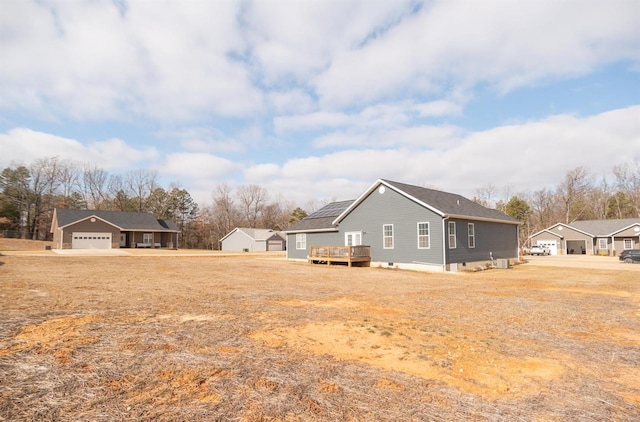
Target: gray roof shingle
x: 603, y: 227
x: 124, y: 220
x: 450, y: 203
x: 443, y: 202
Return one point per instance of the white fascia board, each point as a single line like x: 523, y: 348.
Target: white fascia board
x: 229, y: 234
x: 546, y: 231
x: 96, y: 217
x: 569, y: 226
x: 311, y: 231
x: 621, y: 230
x: 371, y: 189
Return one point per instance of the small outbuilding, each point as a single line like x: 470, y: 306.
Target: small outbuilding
x: 98, y: 229
x: 253, y: 240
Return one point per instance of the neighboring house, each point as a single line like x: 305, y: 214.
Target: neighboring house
x: 97, y: 229
x: 253, y: 240
x: 410, y: 227
x: 592, y: 237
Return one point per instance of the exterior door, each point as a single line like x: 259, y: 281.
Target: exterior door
x: 353, y: 238
x: 123, y: 240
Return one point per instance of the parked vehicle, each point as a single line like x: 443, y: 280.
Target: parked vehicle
x: 539, y: 250
x: 630, y: 256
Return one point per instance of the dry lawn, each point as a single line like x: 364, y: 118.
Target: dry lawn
x: 250, y: 339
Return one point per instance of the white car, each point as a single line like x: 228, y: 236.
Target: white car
x: 539, y: 250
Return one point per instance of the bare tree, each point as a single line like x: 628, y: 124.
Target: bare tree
x: 485, y: 195
x: 252, y: 201
x: 141, y: 182
x: 277, y: 214
x: 119, y: 198
x: 628, y: 182
x: 69, y: 173
x: 226, y: 213
x: 572, y: 193
x: 92, y: 185
x: 544, y: 210
x: 597, y: 200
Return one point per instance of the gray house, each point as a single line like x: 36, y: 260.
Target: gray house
x: 410, y: 227
x: 97, y: 229
x: 590, y: 237
x: 250, y: 240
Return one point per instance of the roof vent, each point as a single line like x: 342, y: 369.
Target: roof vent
x: 458, y: 202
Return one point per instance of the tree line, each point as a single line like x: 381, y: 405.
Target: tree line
x: 578, y: 196
x: 29, y: 194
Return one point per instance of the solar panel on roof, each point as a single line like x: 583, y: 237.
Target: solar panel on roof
x: 333, y: 209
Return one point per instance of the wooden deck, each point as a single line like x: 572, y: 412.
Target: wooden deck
x: 351, y: 255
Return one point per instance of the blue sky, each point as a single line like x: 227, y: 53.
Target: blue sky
x: 315, y: 100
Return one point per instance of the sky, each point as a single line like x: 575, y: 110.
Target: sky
x: 315, y: 100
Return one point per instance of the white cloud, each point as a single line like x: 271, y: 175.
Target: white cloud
x: 165, y: 60
x: 294, y: 40
x: 197, y: 166
x: 526, y: 156
x: 311, y: 121
x: 25, y: 146
x: 294, y: 101
x: 504, y: 44
x: 203, y: 139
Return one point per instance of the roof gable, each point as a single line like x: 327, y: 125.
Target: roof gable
x: 127, y: 221
x: 604, y: 228
x: 442, y: 203
x: 258, y: 235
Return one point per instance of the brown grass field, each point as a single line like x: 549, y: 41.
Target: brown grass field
x: 257, y: 338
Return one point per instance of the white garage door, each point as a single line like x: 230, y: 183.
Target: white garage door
x: 551, y: 244
x: 86, y: 240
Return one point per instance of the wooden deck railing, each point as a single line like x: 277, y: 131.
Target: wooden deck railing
x: 348, y: 254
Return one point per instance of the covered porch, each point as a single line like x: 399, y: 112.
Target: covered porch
x: 146, y: 239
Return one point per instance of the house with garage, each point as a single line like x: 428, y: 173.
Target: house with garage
x: 412, y: 227
x: 590, y: 237
x: 98, y: 229
x: 253, y: 240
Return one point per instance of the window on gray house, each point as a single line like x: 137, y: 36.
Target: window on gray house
x: 452, y: 235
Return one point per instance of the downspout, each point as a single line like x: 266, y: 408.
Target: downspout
x: 444, y: 245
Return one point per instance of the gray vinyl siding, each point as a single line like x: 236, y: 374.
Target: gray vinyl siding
x: 239, y: 241
x: 313, y: 239
x: 376, y: 210
x: 491, y: 239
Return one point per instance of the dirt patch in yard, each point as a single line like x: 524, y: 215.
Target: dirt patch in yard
x: 249, y: 339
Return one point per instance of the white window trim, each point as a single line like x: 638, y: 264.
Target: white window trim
x: 428, y: 236
x: 147, y: 238
x: 301, y: 241
x: 355, y: 235
x: 384, y: 237
x: 624, y: 244
x: 471, y: 236
x: 455, y: 241
x: 600, y: 242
